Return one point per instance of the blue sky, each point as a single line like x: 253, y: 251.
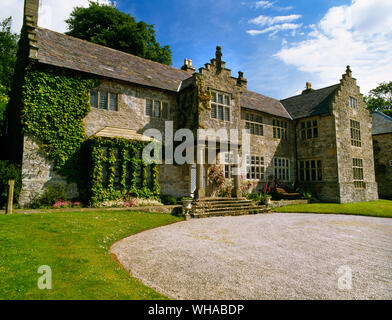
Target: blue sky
x: 278, y: 44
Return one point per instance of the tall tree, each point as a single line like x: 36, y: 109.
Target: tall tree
x: 380, y: 98
x: 8, y: 50
x: 106, y: 25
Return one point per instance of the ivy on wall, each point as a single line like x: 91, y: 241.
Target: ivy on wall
x: 55, y: 104
x: 124, y: 157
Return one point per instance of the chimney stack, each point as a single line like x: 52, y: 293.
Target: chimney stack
x: 188, y: 67
x: 308, y: 88
x: 31, y: 13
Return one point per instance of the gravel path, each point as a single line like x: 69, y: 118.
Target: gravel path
x: 278, y: 256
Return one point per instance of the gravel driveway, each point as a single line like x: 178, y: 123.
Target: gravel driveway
x: 278, y: 256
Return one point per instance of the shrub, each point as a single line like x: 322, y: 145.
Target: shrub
x: 168, y: 200
x: 9, y: 171
x: 52, y: 195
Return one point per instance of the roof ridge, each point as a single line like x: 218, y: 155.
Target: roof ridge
x: 313, y: 91
x: 122, y: 52
x: 383, y: 115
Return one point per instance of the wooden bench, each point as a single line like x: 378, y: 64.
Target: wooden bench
x: 284, y: 194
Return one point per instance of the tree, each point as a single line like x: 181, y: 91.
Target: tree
x: 107, y: 26
x: 8, y: 50
x: 380, y: 98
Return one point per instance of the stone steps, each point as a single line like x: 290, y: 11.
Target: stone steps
x: 217, y: 207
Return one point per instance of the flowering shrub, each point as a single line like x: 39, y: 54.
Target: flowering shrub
x: 129, y: 203
x: 62, y: 204
x: 217, y: 176
x: 247, y: 186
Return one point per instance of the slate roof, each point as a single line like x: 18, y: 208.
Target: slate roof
x: 381, y: 123
x: 310, y: 104
x: 60, y: 50
x: 259, y: 102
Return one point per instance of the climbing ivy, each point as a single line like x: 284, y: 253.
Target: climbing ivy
x: 56, y: 101
x: 55, y: 104
x: 128, y: 161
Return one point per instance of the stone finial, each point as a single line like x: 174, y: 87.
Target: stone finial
x: 349, y: 72
x: 241, y: 81
x: 218, y: 53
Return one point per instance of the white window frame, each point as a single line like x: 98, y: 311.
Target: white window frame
x: 358, y: 169
x: 353, y: 102
x: 281, y: 127
x: 255, y: 167
x: 282, y: 172
x: 215, y: 102
x: 355, y: 130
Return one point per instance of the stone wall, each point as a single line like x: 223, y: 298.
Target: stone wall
x: 175, y: 180
x: 131, y: 112
x: 345, y: 151
x: 269, y: 147
x: 321, y: 148
x: 383, y: 157
x: 38, y: 174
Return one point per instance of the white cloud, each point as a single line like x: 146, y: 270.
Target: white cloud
x: 359, y: 35
x: 52, y: 13
x: 263, y: 4
x: 274, y: 29
x: 268, y: 21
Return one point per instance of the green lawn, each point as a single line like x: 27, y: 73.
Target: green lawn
x: 381, y: 208
x: 76, y: 247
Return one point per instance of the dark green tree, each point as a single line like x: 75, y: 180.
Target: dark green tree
x: 8, y: 50
x: 380, y: 98
x: 107, y: 26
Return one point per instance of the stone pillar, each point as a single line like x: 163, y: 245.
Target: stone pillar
x: 237, y: 174
x: 237, y: 183
x: 200, y: 192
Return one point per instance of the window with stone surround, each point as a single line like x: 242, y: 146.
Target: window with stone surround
x: 279, y: 129
x: 359, y: 182
x: 220, y: 106
x: 253, y: 123
x: 157, y: 109
x: 282, y: 169
x: 309, y: 129
x: 355, y: 133
x: 104, y: 100
x: 254, y: 167
x: 310, y: 170
x: 228, y: 162
x: 353, y: 103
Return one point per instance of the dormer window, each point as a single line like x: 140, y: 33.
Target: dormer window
x: 220, y: 106
x: 353, y: 103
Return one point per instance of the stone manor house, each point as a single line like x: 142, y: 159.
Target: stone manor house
x: 320, y: 140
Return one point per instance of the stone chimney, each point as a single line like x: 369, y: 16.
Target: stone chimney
x: 241, y: 81
x: 30, y: 22
x: 31, y: 12
x: 308, y: 88
x: 188, y: 67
